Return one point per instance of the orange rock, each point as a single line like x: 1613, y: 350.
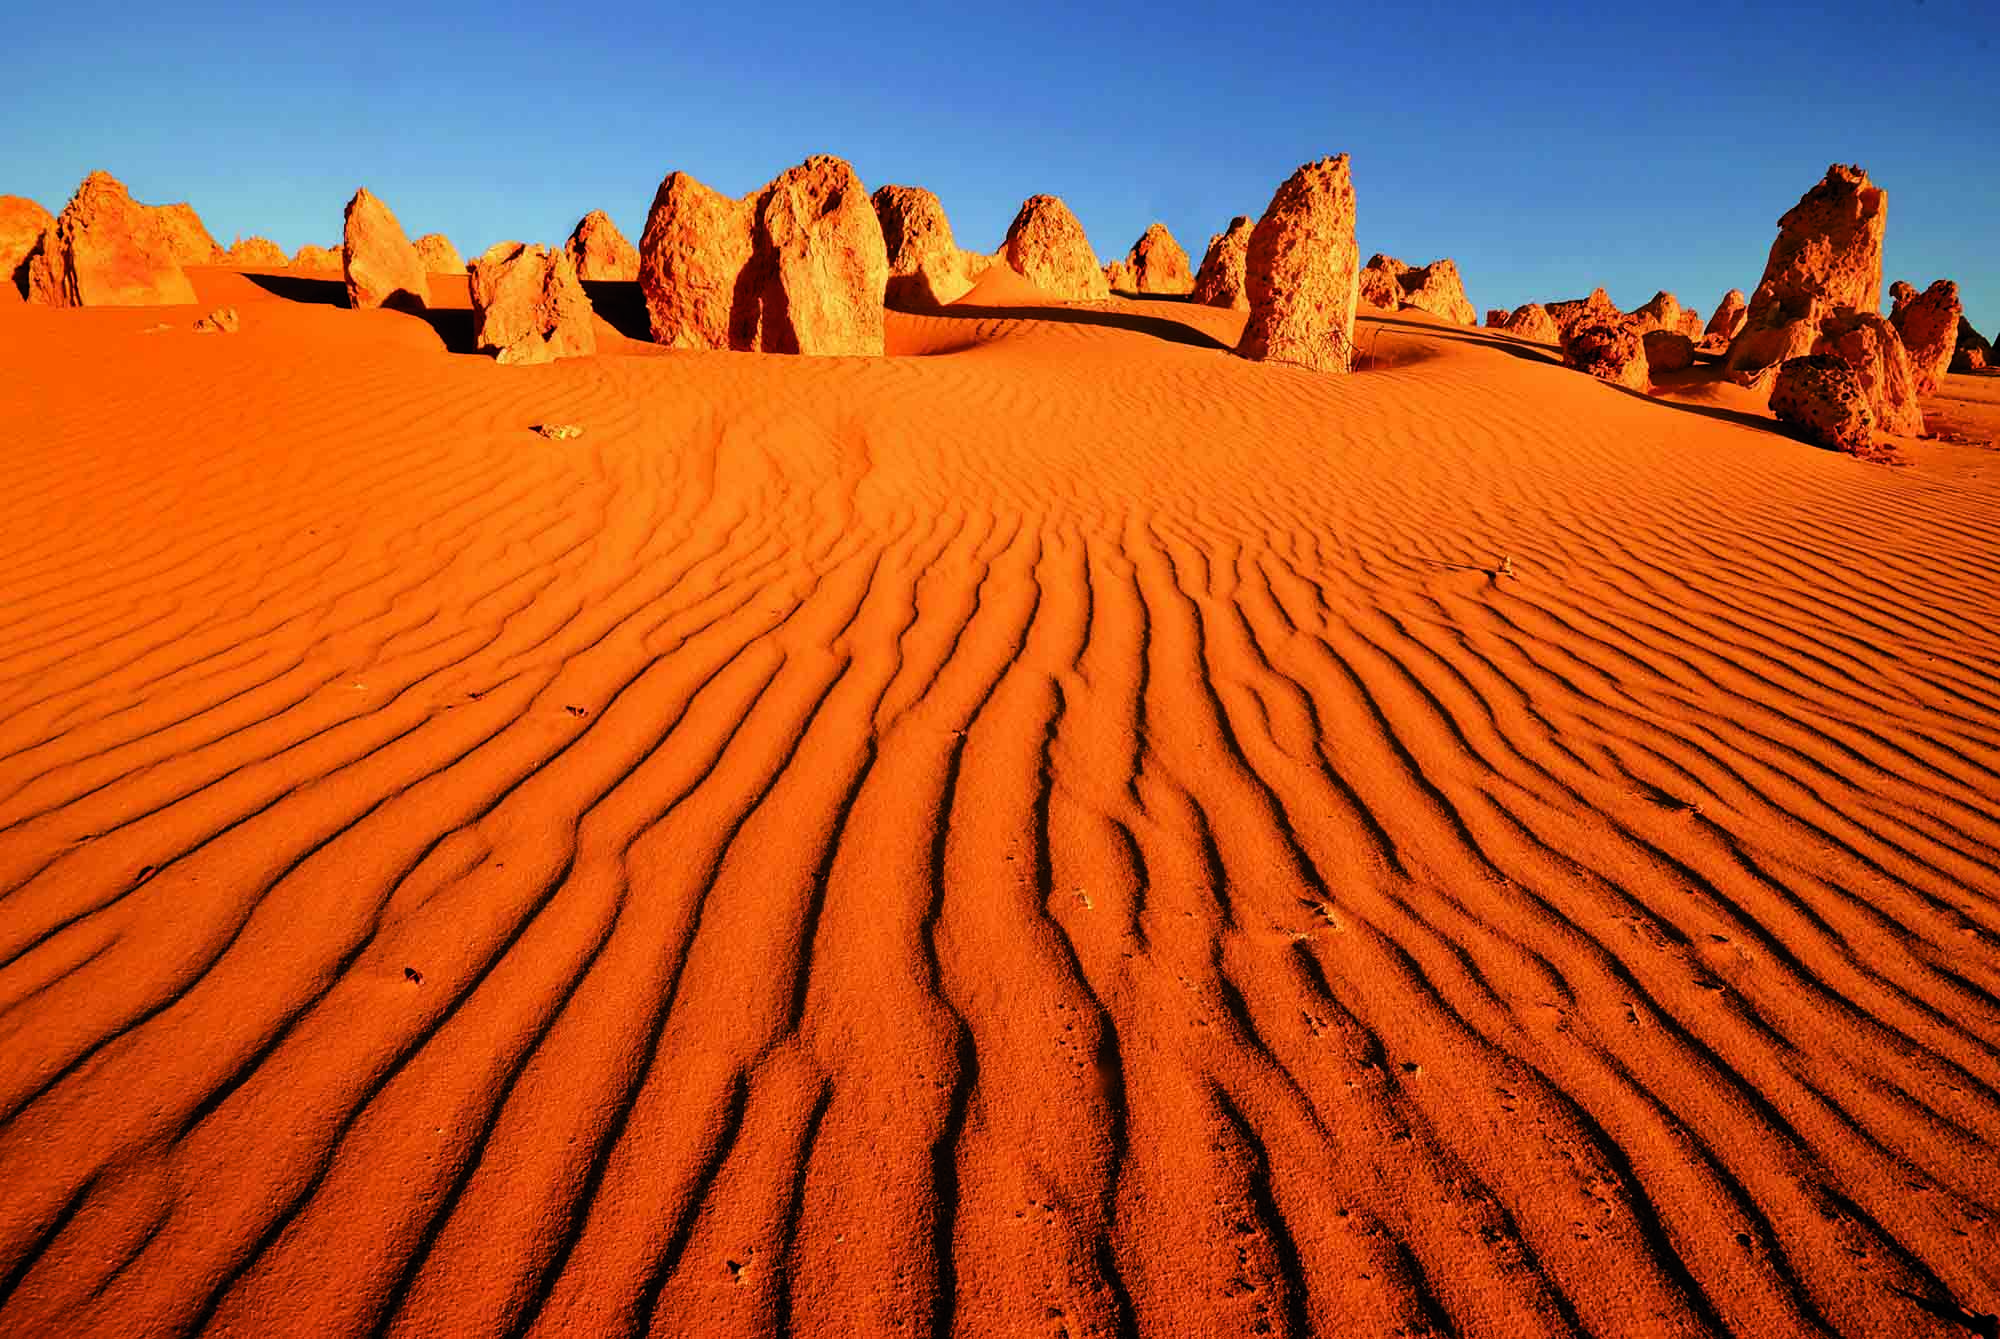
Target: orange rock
x: 1158, y: 264
x: 600, y: 252
x: 1971, y: 353
x: 1668, y: 351
x: 1573, y: 313
x: 186, y: 237
x: 382, y: 269
x: 926, y: 266
x: 221, y: 321
x: 438, y: 255
x: 1531, y: 322
x: 1303, y: 272
x: 1046, y: 246
x: 1927, y: 323
x: 1120, y: 277
x: 254, y: 253
x: 317, y: 258
x: 1380, y: 284
x: 1611, y: 350
x: 1219, y: 282
x: 1772, y: 334
x: 528, y: 305
x: 1820, y: 397
x: 22, y: 223
x: 1437, y: 289
x: 1663, y: 312
x: 797, y: 267
x: 106, y: 250
x: 1869, y: 344
x: 1829, y: 249
x: 1730, y: 313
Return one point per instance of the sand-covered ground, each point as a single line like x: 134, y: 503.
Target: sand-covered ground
x: 1058, y: 831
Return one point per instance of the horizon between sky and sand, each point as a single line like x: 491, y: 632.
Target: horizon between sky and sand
x: 1546, y: 153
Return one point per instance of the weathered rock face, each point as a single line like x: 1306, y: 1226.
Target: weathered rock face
x: 255, y: 253
x: 1972, y: 352
x: 528, y: 306
x: 106, y: 250
x: 1531, y: 321
x: 317, y: 259
x: 926, y: 267
x: 1437, y: 289
x: 221, y: 321
x: 1663, y: 312
x: 1121, y: 277
x: 1158, y: 263
x: 1829, y: 250
x: 382, y: 269
x: 1819, y: 396
x: 1303, y: 272
x: 1381, y: 282
x: 438, y: 255
x: 600, y: 252
x: 1928, y: 324
x: 1691, y: 323
x: 799, y: 266
x: 186, y: 237
x: 1047, y: 247
x: 1668, y: 351
x: 1901, y: 295
x: 1219, y: 282
x: 1870, y: 345
x: 22, y: 223
x: 1772, y: 333
x: 1575, y: 312
x: 1610, y: 350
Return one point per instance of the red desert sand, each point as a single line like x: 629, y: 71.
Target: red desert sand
x: 1056, y: 830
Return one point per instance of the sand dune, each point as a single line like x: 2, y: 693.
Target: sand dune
x: 1059, y: 831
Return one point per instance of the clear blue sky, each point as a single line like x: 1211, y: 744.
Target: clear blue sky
x: 1649, y: 148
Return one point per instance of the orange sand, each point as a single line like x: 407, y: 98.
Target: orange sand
x: 1070, y: 834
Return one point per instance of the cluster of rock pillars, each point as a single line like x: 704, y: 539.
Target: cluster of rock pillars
x: 807, y: 264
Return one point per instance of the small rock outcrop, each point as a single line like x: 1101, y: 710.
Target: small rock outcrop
x: 317, y: 259
x: 1928, y: 324
x: 1303, y: 272
x: 528, y: 306
x: 1668, y: 351
x: 1730, y: 314
x: 1531, y: 321
x: 1662, y: 312
x: 22, y: 223
x: 1047, y: 247
x: 1972, y: 352
x: 1121, y: 277
x: 1158, y: 263
x: 1437, y: 289
x: 799, y: 266
x: 1219, y: 282
x: 380, y: 265
x: 1869, y: 344
x: 1901, y: 295
x: 926, y: 267
x: 186, y: 237
x: 1380, y: 284
x: 599, y: 251
x: 106, y: 250
x: 1572, y: 313
x: 1820, y: 398
x: 1611, y: 350
x: 438, y: 255
x: 221, y: 321
x: 255, y: 253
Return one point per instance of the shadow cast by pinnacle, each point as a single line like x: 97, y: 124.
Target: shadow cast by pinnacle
x: 453, y: 324
x: 1159, y: 327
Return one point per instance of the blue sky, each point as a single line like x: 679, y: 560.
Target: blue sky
x: 1546, y: 152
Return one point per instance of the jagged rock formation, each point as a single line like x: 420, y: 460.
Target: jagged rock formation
x: 381, y: 267
x: 528, y: 305
x: 1928, y: 323
x: 1869, y: 344
x: 1437, y: 289
x: 1611, y: 350
x: 599, y: 251
x: 1730, y: 313
x: 1530, y: 321
x: 438, y: 255
x: 927, y: 268
x: 186, y: 236
x: 1380, y: 282
x: 255, y: 253
x: 1047, y: 247
x: 1219, y: 282
x: 22, y: 223
x: 1972, y: 352
x: 798, y: 266
x: 1820, y: 397
x: 1572, y: 313
x: 317, y: 259
x: 1827, y: 258
x: 106, y: 250
x: 1302, y: 273
x: 1158, y: 263
x: 1120, y: 277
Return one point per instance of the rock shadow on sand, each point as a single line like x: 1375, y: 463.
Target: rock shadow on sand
x: 452, y: 324
x: 1159, y: 327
